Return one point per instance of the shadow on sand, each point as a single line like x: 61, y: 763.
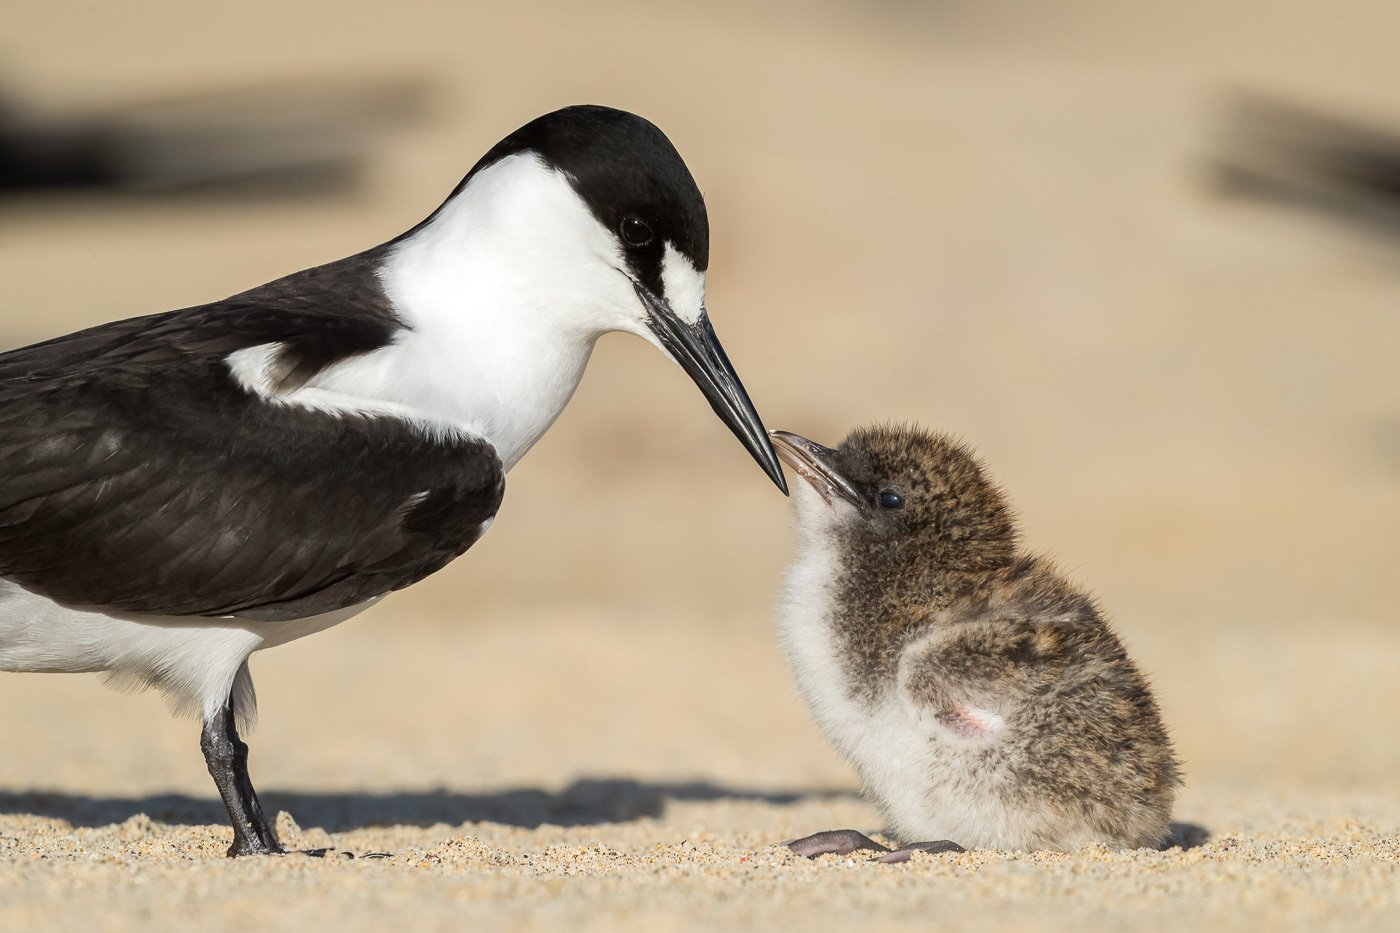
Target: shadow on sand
x: 1187, y: 836
x: 582, y: 803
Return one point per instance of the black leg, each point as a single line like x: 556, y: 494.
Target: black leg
x: 834, y: 842
x: 227, y: 758
x: 933, y: 848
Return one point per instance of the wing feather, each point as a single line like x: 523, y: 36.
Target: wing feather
x: 137, y: 475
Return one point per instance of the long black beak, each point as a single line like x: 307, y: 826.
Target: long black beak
x: 816, y: 465
x: 698, y: 350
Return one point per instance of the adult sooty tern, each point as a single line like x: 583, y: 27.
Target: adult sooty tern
x: 180, y: 490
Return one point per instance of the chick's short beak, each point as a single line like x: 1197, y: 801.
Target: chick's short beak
x: 816, y: 464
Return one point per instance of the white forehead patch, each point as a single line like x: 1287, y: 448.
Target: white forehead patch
x: 685, y: 288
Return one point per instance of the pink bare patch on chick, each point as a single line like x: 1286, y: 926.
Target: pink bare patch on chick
x: 971, y: 722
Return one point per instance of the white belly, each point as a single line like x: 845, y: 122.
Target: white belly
x: 193, y: 661
x: 928, y: 782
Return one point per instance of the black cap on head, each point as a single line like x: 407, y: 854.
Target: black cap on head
x: 625, y: 170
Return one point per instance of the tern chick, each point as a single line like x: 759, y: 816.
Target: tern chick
x: 981, y: 697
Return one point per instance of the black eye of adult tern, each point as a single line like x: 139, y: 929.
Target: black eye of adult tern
x: 890, y: 500
x: 635, y: 231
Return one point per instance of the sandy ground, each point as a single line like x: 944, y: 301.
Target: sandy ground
x: 1002, y: 226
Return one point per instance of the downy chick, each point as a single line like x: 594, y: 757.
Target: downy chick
x: 981, y: 697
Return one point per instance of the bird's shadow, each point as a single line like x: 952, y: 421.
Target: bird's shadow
x: 1186, y: 836
x: 583, y: 803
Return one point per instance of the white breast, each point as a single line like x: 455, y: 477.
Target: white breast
x: 884, y: 739
x: 504, y: 293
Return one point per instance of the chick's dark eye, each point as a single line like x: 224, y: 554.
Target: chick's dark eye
x: 890, y: 500
x: 635, y: 231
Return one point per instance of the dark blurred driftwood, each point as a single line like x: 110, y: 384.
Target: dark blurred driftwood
x: 288, y: 137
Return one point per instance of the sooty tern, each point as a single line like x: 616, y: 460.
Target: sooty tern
x: 180, y: 490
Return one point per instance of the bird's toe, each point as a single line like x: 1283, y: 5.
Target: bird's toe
x: 834, y: 842
x: 904, y: 853
x: 243, y: 845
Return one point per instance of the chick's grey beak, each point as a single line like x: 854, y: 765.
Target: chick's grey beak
x: 816, y: 464
x: 698, y: 350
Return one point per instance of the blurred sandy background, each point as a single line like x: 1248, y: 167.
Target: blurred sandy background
x: 1000, y: 220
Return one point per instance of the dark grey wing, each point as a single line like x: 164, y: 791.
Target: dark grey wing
x: 136, y: 475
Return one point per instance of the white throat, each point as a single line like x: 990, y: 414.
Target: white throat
x: 504, y: 293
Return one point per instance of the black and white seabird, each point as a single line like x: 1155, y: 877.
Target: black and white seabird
x: 180, y: 490
x: 982, y: 698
